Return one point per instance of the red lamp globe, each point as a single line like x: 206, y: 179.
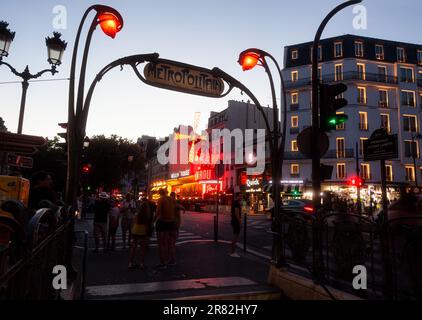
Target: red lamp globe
x: 249, y: 60
x: 110, y: 24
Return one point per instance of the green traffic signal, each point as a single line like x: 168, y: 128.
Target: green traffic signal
x: 338, y: 119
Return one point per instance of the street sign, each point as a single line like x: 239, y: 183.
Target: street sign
x: 177, y: 76
x: 20, y: 161
x: 20, y: 143
x: 381, y: 146
x: 304, y: 142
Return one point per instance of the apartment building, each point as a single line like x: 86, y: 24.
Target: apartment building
x: 384, y: 80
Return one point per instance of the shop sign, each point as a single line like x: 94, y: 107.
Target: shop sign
x: 252, y: 182
x: 204, y: 175
x: 185, y: 173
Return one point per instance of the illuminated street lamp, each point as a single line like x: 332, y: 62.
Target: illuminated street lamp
x: 248, y: 59
x: 55, y: 49
x: 87, y: 141
x: 111, y: 22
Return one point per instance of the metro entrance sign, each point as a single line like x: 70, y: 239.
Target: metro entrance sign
x: 381, y: 146
x: 177, y: 76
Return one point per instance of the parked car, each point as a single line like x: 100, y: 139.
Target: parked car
x: 298, y: 205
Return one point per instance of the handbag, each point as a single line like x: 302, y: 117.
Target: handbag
x: 139, y: 229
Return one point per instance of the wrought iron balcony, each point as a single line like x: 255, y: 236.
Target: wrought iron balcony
x: 351, y: 75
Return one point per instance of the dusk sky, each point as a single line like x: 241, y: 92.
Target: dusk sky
x: 204, y: 33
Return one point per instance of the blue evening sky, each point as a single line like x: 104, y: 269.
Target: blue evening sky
x: 205, y: 33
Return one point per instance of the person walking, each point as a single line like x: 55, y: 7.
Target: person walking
x: 41, y: 189
x: 141, y: 233
x: 236, y: 223
x: 101, y: 209
x: 127, y: 212
x: 113, y: 224
x: 164, y: 224
x: 174, y: 234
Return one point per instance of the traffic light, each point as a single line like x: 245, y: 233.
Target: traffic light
x: 356, y: 182
x: 86, y: 168
x: 329, y: 103
x: 296, y: 193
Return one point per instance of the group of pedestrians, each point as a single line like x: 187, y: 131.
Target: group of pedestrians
x: 137, y: 221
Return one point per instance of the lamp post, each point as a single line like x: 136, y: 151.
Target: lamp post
x: 316, y: 161
x: 111, y: 22
x: 131, y: 160
x: 248, y: 59
x: 415, y: 155
x: 55, y: 48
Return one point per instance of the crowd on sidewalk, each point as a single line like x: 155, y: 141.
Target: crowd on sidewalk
x: 138, y: 221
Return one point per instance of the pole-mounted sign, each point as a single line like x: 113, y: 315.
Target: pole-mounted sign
x: 381, y: 146
x: 176, y: 76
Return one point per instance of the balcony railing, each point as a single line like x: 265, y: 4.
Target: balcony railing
x: 331, y: 154
x: 351, y: 75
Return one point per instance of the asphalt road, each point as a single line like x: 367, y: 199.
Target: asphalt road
x: 203, y: 266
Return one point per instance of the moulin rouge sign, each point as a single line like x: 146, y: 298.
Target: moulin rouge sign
x: 173, y: 75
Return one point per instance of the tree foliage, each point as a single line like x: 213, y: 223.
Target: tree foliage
x: 109, y: 162
x: 2, y: 125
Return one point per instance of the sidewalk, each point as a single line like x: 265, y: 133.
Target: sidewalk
x: 204, y: 268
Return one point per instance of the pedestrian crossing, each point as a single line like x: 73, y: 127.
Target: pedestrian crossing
x: 184, y: 236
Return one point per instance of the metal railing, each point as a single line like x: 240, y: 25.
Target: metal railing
x: 346, y: 76
x: 26, y: 271
x: 329, y: 250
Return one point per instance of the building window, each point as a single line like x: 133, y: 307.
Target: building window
x: 341, y: 126
x: 295, y: 98
x: 411, y: 149
x: 361, y: 146
x: 341, y: 171
x: 383, y: 98
x: 231, y: 182
x: 361, y: 95
x: 359, y: 48
x: 410, y: 173
x: 294, y: 121
x: 341, y: 149
x: 406, y: 75
x: 385, y: 122
x: 389, y: 172
x: 338, y: 72
x: 363, y: 121
x: 420, y: 57
x: 410, y: 123
x: 295, y: 55
x: 294, y: 169
x: 319, y: 53
x: 361, y: 71
x: 338, y: 49
x: 295, y: 76
x: 382, y: 74
x: 365, y: 171
x: 294, y: 146
x: 379, y: 52
x: 401, y: 55
x: 408, y: 98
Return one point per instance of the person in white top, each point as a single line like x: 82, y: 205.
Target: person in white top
x: 113, y: 218
x: 127, y: 212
